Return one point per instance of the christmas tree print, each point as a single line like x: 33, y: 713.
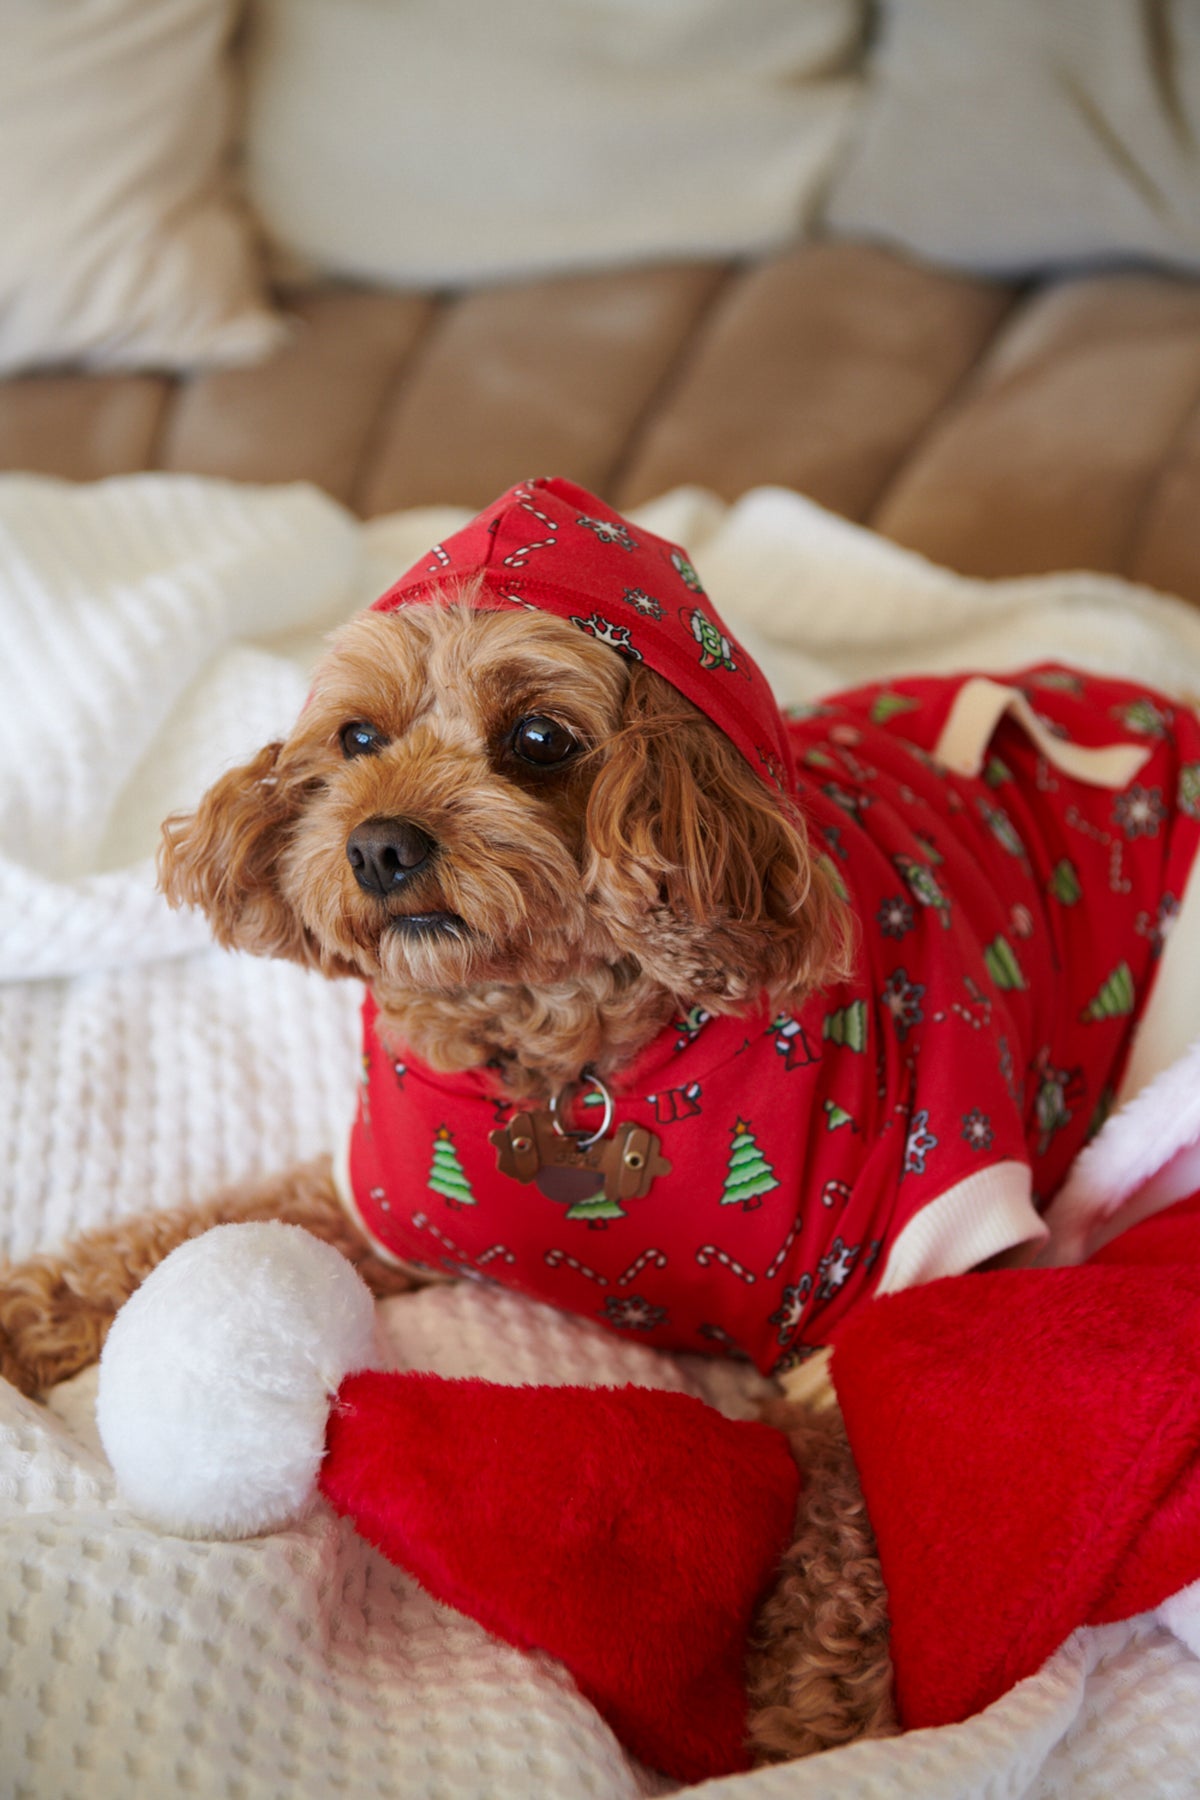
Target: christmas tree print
x: 749, y: 1175
x: 1114, y: 999
x: 1143, y: 716
x: 836, y: 1116
x: 1001, y: 828
x: 1065, y: 884
x: 1002, y: 964
x: 847, y: 1026
x: 828, y: 867
x: 1189, y: 790
x: 597, y: 1210
x: 886, y: 706
x: 446, y: 1174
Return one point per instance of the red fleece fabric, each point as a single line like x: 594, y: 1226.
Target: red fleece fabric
x: 629, y: 1532
x: 1029, y: 1447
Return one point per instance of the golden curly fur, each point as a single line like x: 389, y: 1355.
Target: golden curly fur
x: 567, y: 909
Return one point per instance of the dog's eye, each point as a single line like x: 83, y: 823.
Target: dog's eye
x: 543, y: 742
x: 360, y: 739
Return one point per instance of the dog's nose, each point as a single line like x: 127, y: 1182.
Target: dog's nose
x: 384, y: 852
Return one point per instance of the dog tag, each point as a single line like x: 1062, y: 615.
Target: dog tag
x: 572, y: 1167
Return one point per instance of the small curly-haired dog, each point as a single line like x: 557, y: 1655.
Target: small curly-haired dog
x: 823, y: 983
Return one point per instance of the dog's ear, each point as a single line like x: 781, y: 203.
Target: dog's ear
x: 701, y: 872
x: 224, y: 857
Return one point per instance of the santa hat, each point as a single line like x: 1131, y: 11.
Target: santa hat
x: 553, y: 547
x: 629, y: 1532
x: 1029, y: 1448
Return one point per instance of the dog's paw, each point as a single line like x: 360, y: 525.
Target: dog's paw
x: 48, y: 1332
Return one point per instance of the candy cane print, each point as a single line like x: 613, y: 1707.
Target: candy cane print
x: 706, y: 1253
x: 496, y: 1250
x: 788, y: 1241
x: 657, y: 1257
x: 423, y: 1222
x: 516, y: 559
x: 554, y: 1257
x: 441, y: 558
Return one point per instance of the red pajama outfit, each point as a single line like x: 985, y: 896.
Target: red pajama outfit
x: 906, y: 1124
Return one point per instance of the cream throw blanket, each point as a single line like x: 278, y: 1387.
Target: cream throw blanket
x: 153, y: 630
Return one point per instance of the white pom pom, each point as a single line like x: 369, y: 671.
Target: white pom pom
x: 217, y: 1375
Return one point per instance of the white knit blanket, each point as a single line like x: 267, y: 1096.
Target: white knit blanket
x: 152, y: 630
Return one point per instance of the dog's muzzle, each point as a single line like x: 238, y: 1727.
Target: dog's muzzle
x: 385, y: 853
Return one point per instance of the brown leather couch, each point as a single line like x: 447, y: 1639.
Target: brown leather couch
x: 999, y: 429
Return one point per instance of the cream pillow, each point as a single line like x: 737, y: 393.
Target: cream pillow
x: 1012, y: 135
x: 119, y: 245
x: 426, y: 141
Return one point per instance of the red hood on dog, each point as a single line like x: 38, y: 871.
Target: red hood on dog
x: 556, y: 548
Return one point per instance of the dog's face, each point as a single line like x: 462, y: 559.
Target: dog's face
x: 488, y: 815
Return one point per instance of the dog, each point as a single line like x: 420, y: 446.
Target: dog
x: 702, y: 1023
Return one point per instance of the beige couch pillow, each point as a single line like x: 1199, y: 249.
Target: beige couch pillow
x: 119, y: 245
x: 1012, y: 135
x: 448, y: 140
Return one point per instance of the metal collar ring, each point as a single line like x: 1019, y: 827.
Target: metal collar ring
x: 584, y: 1142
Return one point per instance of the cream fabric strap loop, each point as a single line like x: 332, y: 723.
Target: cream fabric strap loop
x: 978, y: 708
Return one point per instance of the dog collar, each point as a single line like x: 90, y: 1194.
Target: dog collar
x: 550, y: 546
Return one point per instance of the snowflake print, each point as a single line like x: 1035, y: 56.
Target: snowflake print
x: 644, y: 603
x: 615, y: 636
x: 977, y: 1130
x: 630, y: 1312
x: 609, y: 531
x: 895, y: 917
x: 902, y: 999
x: 835, y: 1268
x: 1139, y: 811
x: 791, y: 1311
x: 920, y: 1142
